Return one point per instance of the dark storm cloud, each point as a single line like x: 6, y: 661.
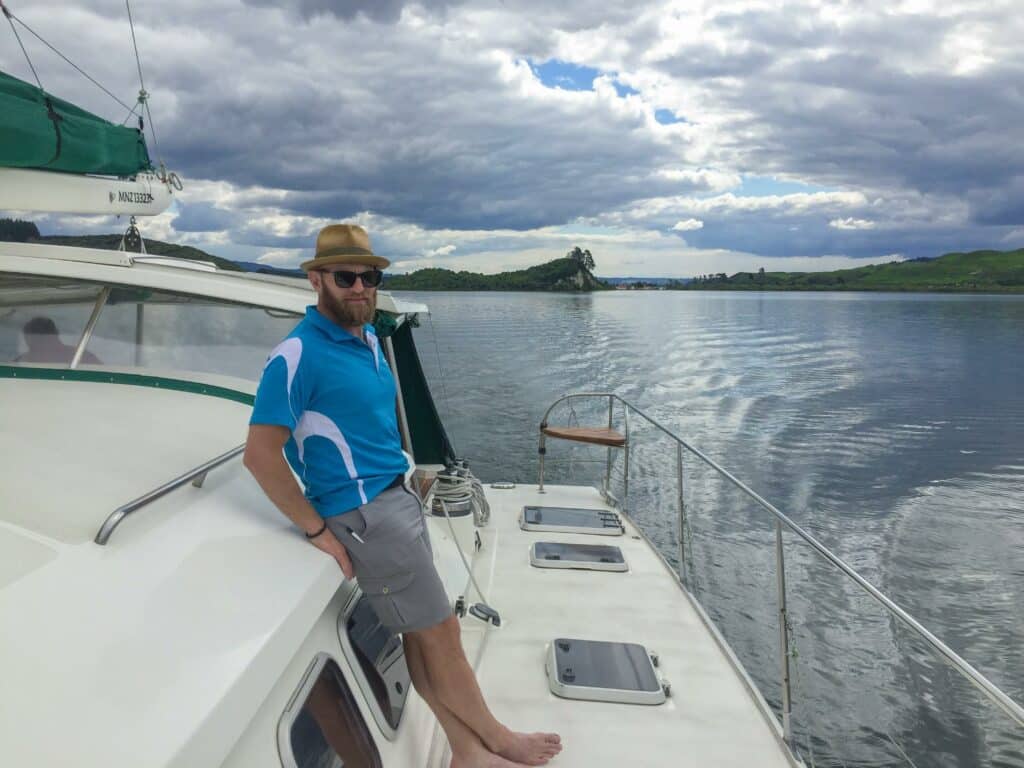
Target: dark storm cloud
x: 313, y: 109
x: 875, y: 102
x: 441, y: 145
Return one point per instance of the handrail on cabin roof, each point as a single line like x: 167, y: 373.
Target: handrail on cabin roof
x: 196, y: 476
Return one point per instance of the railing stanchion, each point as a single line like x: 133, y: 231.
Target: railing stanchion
x: 541, y: 450
x: 625, y: 461
x: 780, y: 568
x: 682, y: 513
x: 608, y: 463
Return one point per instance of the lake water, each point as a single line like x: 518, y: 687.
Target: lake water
x: 890, y: 426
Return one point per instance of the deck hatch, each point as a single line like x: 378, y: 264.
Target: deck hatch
x: 596, y: 670
x: 572, y: 520
x: 591, y: 557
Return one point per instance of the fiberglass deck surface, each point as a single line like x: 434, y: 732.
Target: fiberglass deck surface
x: 711, y: 719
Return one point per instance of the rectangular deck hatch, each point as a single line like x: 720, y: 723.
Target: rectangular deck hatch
x: 592, y: 557
x: 595, y: 670
x: 572, y: 520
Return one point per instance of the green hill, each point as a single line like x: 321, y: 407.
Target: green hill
x: 559, y: 275
x: 977, y: 271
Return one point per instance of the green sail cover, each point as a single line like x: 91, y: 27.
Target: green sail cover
x: 41, y: 131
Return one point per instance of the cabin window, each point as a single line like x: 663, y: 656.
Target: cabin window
x: 322, y: 727
x: 160, y: 331
x: 42, y: 318
x: 377, y: 657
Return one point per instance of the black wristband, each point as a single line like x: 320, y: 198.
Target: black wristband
x: 314, y: 535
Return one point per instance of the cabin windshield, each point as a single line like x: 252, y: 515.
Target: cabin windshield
x: 43, y: 320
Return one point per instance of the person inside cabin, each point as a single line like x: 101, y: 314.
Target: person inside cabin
x: 326, y: 406
x: 44, y: 345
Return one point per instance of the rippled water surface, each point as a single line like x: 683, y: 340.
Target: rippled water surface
x: 889, y: 426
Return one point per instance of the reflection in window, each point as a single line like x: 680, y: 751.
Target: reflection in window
x: 42, y: 318
x: 166, y: 332
x: 328, y: 731
x: 381, y: 658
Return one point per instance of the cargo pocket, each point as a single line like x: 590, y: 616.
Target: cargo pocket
x: 385, y: 594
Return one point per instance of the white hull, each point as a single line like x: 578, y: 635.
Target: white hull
x: 32, y: 190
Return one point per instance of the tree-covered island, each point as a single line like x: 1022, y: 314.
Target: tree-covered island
x: 573, y: 272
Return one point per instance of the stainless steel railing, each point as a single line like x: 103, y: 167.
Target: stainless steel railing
x: 196, y: 476
x: 1010, y: 707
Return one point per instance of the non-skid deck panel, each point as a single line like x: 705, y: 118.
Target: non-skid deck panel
x: 598, y: 522
x: 597, y: 670
x: 592, y: 557
x: 710, y: 719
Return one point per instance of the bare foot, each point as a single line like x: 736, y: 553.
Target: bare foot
x: 483, y: 758
x: 531, y: 748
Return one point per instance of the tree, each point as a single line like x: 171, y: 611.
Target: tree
x: 18, y: 231
x: 582, y: 257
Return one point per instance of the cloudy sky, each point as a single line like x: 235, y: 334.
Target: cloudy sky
x: 669, y: 138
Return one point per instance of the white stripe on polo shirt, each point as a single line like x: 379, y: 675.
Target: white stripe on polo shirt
x: 289, y: 350
x: 313, y: 423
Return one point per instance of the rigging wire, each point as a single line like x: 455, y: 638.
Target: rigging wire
x: 130, y: 113
x: 143, y: 94
x: 440, y: 368
x: 12, y: 18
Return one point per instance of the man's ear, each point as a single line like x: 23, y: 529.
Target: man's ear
x: 314, y: 277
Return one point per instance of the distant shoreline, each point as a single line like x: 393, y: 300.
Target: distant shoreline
x: 1011, y: 291
x: 977, y: 272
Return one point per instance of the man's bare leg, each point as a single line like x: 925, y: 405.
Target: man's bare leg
x: 454, y: 683
x: 467, y: 749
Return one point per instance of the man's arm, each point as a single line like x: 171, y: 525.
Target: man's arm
x: 265, y: 459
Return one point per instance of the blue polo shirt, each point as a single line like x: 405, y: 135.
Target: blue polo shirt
x: 336, y: 394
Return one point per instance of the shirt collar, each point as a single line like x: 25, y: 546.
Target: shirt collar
x: 330, y: 328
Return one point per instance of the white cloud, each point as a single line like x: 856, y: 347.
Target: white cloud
x: 278, y: 258
x: 795, y: 202
x: 687, y: 225
x: 851, y: 223
x: 444, y: 250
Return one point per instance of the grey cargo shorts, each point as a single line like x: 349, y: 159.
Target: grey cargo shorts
x: 394, y: 562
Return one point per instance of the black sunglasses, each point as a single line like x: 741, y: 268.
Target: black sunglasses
x: 346, y: 279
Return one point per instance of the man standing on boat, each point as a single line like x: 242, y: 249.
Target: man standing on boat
x: 326, y: 403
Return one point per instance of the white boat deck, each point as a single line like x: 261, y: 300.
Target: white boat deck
x: 711, y: 717
x: 185, y: 631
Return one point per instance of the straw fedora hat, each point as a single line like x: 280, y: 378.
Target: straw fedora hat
x: 343, y: 244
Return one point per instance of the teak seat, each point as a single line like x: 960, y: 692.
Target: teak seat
x: 596, y: 436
